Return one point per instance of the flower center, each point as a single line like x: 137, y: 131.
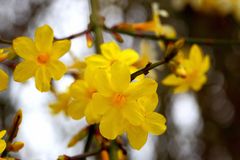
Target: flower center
x: 43, y: 58
x: 90, y: 92
x: 118, y: 99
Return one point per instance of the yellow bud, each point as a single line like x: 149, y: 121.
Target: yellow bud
x: 121, y: 155
x: 16, y: 146
x: 104, y: 155
x: 89, y: 39
x: 63, y: 157
x: 78, y: 137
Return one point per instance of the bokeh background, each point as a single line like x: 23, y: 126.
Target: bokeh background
x: 203, y: 125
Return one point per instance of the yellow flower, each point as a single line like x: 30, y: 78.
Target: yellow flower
x: 82, y: 92
x: 40, y: 58
x: 153, y: 123
x: 63, y: 99
x: 112, y: 53
x: 116, y: 99
x: 190, y: 73
x: 3, y: 80
x: 2, y: 142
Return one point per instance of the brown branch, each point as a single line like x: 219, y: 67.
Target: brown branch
x: 204, y: 41
x: 81, y: 156
x: 3, y: 41
x: 74, y: 35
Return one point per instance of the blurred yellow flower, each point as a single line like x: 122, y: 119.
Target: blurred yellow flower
x: 190, y: 73
x: 63, y: 99
x: 155, y: 24
x: 116, y: 99
x: 40, y: 58
x: 3, y: 80
x: 153, y: 123
x: 2, y: 142
x: 112, y: 53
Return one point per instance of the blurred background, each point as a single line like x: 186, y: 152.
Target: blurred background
x: 203, y: 125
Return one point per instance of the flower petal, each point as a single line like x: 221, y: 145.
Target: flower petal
x: 120, y: 76
x: 172, y: 80
x: 2, y: 145
x: 155, y: 123
x: 3, y: 80
x: 137, y: 136
x: 145, y: 87
x: 44, y: 38
x: 57, y: 69
x: 110, y: 50
x: 77, y: 108
x: 133, y: 112
x: 205, y: 64
x: 129, y: 56
x: 101, y: 104
x: 25, y: 48
x: 195, y: 55
x: 149, y: 103
x: 91, y: 115
x: 180, y: 89
x: 24, y: 71
x: 60, y: 48
x: 78, y: 89
x: 111, y: 124
x: 2, y: 133
x: 103, y: 83
x: 42, y: 79
x: 97, y: 61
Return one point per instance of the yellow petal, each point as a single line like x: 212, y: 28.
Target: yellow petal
x: 111, y: 124
x: 205, y: 64
x: 3, y: 80
x: 172, y: 80
x: 145, y: 87
x: 60, y: 48
x: 25, y: 48
x: 120, y: 76
x: 155, y: 123
x: 2, y: 145
x: 57, y: 69
x: 24, y: 71
x: 110, y: 50
x: 79, y: 89
x: 97, y: 61
x: 44, y: 38
x: 149, y: 103
x: 42, y: 79
x: 100, y: 104
x: 129, y: 56
x: 195, y: 55
x: 137, y: 136
x: 103, y: 83
x: 168, y: 31
x: 182, y: 88
x: 198, y: 83
x: 92, y: 116
x: 2, y: 133
x: 133, y: 112
x: 76, y: 109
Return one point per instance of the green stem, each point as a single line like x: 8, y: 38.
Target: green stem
x: 96, y: 22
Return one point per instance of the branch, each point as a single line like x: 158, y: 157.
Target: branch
x: 205, y: 41
x: 74, y: 35
x: 80, y: 156
x: 3, y: 41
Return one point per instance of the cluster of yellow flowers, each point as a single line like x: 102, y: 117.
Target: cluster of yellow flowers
x: 103, y: 91
x: 223, y: 7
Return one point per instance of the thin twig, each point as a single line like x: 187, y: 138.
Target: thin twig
x: 74, y: 35
x: 3, y: 41
x: 82, y: 156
